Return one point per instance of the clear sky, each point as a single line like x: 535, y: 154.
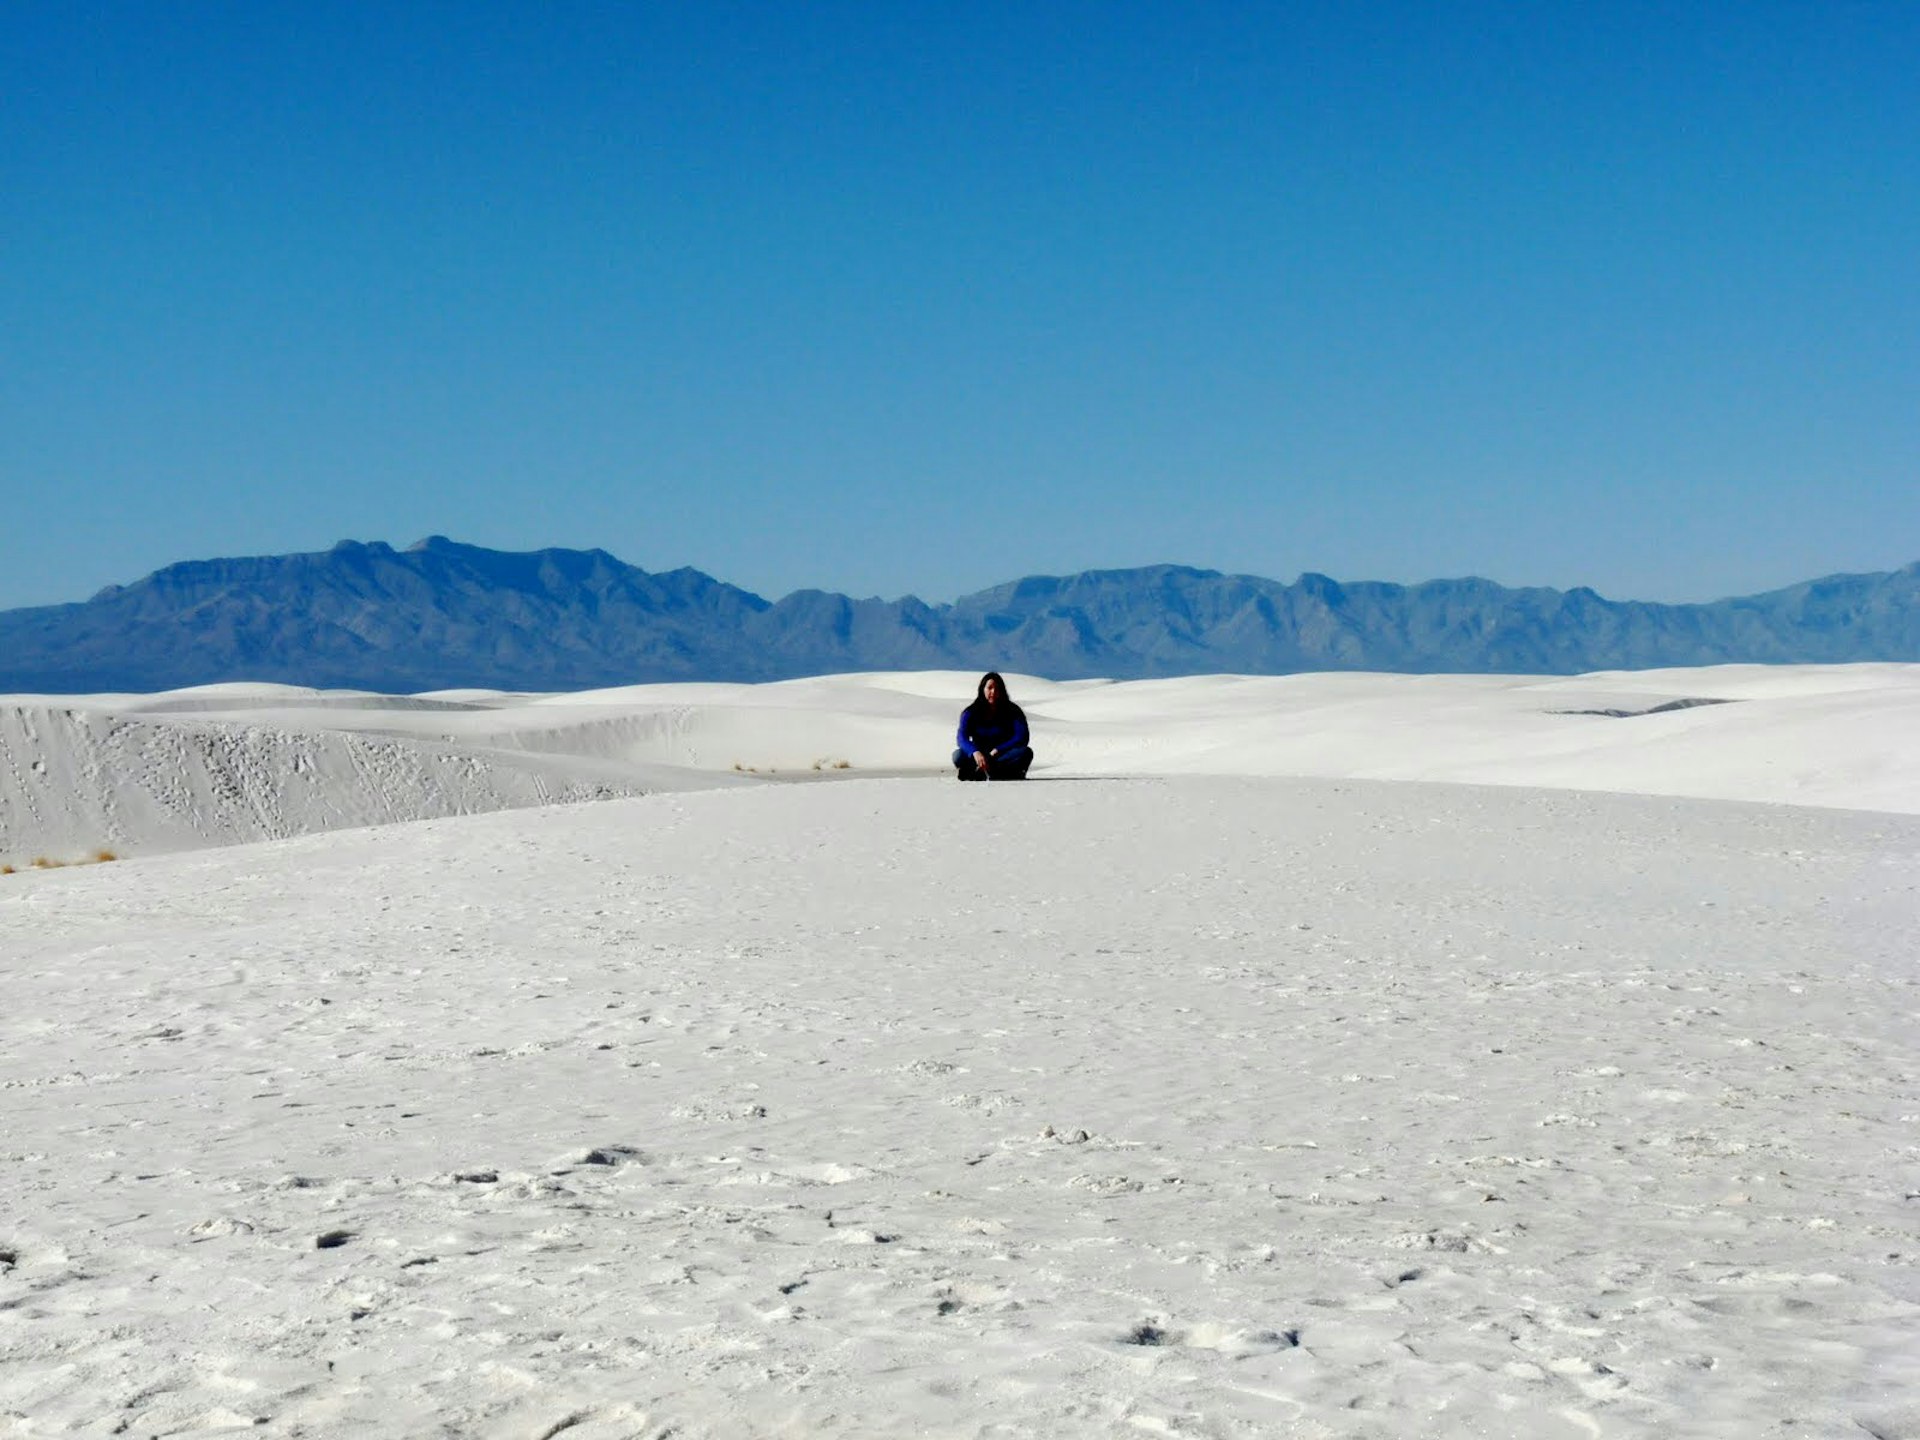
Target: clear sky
x: 893, y: 298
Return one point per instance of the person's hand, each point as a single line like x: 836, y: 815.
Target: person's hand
x: 980, y: 759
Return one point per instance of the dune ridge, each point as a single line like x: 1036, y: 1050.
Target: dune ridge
x: 235, y: 763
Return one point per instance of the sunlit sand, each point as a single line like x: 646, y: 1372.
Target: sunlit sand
x: 1239, y: 1087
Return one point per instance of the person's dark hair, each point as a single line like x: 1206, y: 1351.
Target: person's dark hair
x: 1002, y: 712
x: 980, y: 690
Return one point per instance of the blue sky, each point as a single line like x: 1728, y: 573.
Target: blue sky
x: 915, y: 298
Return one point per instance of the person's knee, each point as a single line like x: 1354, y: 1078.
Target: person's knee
x: 1010, y: 764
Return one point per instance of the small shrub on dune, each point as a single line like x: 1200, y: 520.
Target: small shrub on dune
x: 104, y: 857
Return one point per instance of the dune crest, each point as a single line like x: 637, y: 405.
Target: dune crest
x: 233, y: 763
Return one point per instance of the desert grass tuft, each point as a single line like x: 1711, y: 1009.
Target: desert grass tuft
x: 102, y: 856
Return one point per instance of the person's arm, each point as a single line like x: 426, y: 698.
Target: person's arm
x: 1022, y: 739
x: 965, y: 738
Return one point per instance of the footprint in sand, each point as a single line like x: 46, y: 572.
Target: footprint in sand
x: 1233, y: 1343
x: 217, y: 1227
x: 960, y: 1295
x: 1901, y: 1424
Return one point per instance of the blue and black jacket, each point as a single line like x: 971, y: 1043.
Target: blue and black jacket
x: 993, y: 730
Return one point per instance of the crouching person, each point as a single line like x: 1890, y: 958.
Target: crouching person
x: 993, y: 738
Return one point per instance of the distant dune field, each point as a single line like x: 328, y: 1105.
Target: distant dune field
x: 235, y: 763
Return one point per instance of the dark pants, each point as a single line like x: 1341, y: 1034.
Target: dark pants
x: 1007, y: 765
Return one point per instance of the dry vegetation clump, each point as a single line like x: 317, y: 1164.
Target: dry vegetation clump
x: 47, y: 862
x: 822, y: 764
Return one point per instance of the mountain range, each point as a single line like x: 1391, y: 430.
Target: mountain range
x: 442, y: 615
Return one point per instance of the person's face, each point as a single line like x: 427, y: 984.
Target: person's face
x: 992, y: 692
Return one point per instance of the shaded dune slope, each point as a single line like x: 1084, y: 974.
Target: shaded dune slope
x: 75, y: 781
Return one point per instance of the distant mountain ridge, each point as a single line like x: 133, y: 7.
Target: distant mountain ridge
x: 441, y: 615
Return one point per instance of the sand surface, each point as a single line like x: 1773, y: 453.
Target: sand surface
x: 225, y: 764
x: 1209, y: 1102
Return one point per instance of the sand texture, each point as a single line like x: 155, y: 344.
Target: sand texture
x: 1197, y: 1104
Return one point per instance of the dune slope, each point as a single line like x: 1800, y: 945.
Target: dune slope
x: 1220, y: 1107
x: 233, y: 763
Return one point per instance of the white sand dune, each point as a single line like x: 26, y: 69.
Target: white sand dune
x: 232, y: 763
x: 77, y: 781
x: 1191, y: 1099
